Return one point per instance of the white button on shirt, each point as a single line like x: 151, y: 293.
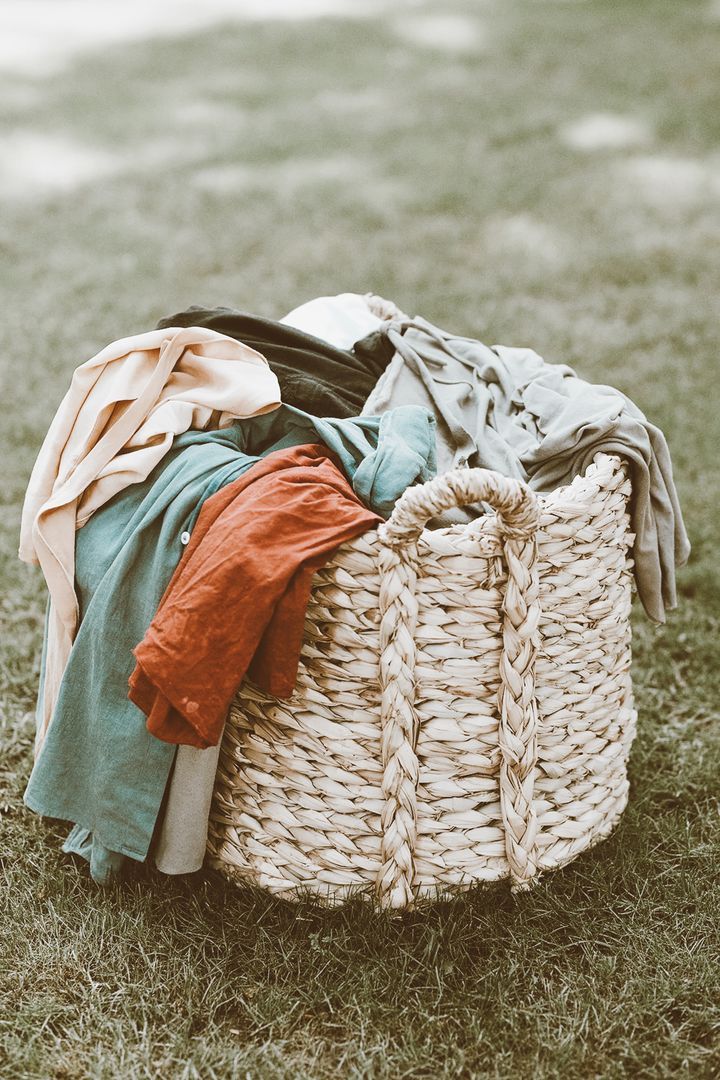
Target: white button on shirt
x: 185, y: 538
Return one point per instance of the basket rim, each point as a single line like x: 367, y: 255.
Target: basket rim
x: 486, y: 530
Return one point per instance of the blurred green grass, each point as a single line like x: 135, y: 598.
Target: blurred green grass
x: 263, y: 164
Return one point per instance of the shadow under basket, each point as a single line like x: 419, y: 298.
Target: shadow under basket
x: 463, y: 711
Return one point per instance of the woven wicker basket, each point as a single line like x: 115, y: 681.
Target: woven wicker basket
x: 463, y: 711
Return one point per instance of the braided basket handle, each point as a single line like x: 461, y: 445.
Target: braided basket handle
x: 513, y: 501
x: 518, y: 512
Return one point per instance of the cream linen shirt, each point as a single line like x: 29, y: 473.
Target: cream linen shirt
x: 114, y: 425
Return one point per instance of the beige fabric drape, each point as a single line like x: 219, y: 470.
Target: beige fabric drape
x: 116, y: 422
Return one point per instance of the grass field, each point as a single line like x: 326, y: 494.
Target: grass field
x: 538, y: 173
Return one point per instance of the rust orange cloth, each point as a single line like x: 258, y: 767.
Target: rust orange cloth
x: 237, y: 600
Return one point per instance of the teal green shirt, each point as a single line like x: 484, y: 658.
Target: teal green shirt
x: 99, y: 767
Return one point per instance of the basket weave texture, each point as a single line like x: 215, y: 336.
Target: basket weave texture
x: 463, y: 711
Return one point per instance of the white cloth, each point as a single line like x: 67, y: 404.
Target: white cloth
x: 343, y: 319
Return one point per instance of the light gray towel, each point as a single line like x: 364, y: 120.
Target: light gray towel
x: 507, y: 409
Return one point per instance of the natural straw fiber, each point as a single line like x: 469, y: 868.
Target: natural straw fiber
x: 463, y: 711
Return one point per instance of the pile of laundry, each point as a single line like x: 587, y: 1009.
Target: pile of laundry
x: 196, y: 476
